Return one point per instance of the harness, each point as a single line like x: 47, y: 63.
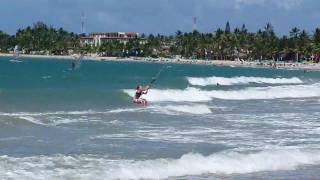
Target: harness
x: 138, y: 95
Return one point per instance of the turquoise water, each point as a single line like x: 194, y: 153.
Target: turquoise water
x: 62, y: 124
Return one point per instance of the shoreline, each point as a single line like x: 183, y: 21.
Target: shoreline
x: 253, y: 64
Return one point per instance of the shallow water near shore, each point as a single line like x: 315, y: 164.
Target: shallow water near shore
x: 62, y: 124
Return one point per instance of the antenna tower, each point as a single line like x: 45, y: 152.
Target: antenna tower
x: 194, y: 23
x: 83, y: 18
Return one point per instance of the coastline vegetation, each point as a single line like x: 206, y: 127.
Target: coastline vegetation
x: 222, y: 44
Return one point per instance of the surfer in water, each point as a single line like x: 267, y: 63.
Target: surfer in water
x: 140, y: 90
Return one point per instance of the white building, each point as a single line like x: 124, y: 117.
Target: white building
x: 97, y: 39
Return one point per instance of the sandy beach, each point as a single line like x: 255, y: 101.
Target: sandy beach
x: 255, y: 64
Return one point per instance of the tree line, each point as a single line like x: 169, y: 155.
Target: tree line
x: 222, y: 44
x: 40, y: 38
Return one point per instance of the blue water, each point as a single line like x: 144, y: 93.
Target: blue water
x: 62, y: 124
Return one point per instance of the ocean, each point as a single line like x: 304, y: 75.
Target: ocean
x: 56, y: 123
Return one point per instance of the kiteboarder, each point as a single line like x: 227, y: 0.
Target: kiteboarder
x: 140, y: 90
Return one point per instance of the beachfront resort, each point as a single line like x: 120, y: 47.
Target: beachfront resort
x: 222, y: 44
x: 98, y: 39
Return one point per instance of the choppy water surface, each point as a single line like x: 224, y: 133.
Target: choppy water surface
x: 63, y: 124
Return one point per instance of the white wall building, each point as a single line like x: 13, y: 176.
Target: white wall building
x: 97, y: 39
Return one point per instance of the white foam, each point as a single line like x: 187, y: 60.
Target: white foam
x: 121, y: 110
x: 67, y: 117
x: 270, y: 92
x: 196, y: 109
x: 31, y: 119
x: 91, y: 167
x: 50, y: 113
x: 174, y: 95
x: 46, y: 77
x: 168, y: 109
x: 53, y: 118
x: 84, y: 112
x: 241, y: 80
x: 197, y: 95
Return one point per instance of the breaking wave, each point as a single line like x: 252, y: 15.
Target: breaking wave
x: 174, y: 95
x: 198, y: 95
x: 241, y: 80
x: 97, y: 167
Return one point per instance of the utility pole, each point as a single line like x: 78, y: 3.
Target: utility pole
x: 194, y: 23
x: 83, y: 18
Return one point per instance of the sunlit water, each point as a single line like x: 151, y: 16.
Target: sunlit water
x: 63, y: 124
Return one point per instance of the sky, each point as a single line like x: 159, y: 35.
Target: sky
x: 160, y: 16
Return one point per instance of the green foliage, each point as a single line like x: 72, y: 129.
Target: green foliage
x: 40, y: 37
x: 221, y: 44
x: 6, y: 42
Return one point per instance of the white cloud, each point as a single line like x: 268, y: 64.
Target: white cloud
x: 288, y: 4
x: 284, y: 4
x: 250, y: 2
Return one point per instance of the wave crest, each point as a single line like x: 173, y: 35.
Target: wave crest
x: 198, y: 95
x: 241, y: 80
x: 89, y: 167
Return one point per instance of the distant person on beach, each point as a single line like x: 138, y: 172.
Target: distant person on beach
x: 140, y: 90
